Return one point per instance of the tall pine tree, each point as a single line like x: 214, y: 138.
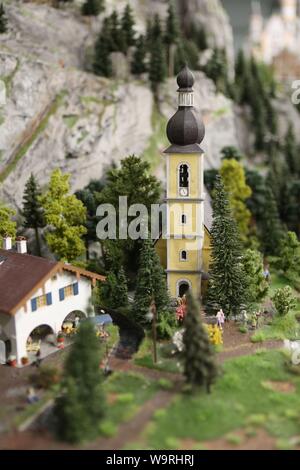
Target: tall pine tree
x: 3, y: 20
x: 157, y: 67
x: 113, y: 292
x: 81, y: 406
x: 171, y: 37
x: 292, y: 152
x: 32, y: 209
x: 151, y: 284
x: 227, y: 285
x: 92, y: 7
x: 118, y: 36
x: 127, y: 24
x: 144, y: 289
x: 103, y: 48
x: 271, y: 228
x: 200, y: 367
x: 138, y: 65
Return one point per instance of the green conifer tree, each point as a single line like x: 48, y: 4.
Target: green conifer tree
x: 217, y: 70
x: 171, y: 37
x: 102, y: 60
x: 32, y: 209
x: 271, y: 229
x: 144, y: 285
x: 127, y: 24
x: 157, y: 66
x: 151, y: 284
x: 138, y: 65
x: 200, y: 367
x: 228, y: 284
x: 3, y: 20
x: 81, y: 406
x: 118, y: 36
x: 122, y: 288
x: 92, y: 7
x: 292, y: 152
x: 156, y: 29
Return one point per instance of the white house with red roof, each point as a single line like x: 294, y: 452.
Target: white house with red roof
x: 37, y: 292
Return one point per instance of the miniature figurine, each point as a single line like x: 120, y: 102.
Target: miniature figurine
x: 221, y: 319
x: 32, y: 396
x: 38, y: 360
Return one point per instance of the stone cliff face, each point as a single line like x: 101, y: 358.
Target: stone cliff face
x: 59, y: 116
x: 211, y: 15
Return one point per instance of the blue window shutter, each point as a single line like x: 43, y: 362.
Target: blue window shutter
x: 49, y: 298
x: 33, y: 305
x: 75, y: 288
x: 61, y: 294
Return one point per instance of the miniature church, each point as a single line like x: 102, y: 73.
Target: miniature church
x: 185, y: 251
x: 278, y: 35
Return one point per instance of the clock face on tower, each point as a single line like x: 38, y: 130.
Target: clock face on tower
x: 183, y: 192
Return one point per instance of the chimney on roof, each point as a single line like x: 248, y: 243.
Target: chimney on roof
x: 21, y: 245
x: 7, y: 242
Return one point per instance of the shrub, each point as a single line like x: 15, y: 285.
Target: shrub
x: 46, y: 377
x: 284, y: 300
x: 107, y: 429
x: 243, y: 329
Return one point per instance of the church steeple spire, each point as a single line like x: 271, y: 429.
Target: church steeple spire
x: 185, y: 192
x: 185, y: 130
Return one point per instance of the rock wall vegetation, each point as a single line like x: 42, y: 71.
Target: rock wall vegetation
x: 59, y: 115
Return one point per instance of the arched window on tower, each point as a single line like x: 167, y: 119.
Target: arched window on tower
x: 183, y: 255
x: 183, y: 179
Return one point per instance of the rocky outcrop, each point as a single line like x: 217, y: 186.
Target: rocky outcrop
x: 58, y: 116
x: 64, y: 37
x: 211, y: 15
x: 86, y: 123
x: 51, y: 35
x: 91, y: 122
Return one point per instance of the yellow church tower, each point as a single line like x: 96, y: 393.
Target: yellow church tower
x: 185, y: 193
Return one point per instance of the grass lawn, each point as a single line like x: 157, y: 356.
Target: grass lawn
x: 165, y: 361
x: 282, y: 327
x: 125, y: 394
x: 241, y: 398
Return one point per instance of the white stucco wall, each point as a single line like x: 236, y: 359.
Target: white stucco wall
x: 52, y: 315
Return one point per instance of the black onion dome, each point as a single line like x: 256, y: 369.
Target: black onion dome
x: 185, y: 127
x: 185, y: 130
x: 185, y: 79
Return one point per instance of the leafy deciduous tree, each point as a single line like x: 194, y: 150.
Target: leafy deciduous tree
x: 284, y: 300
x: 257, y: 284
x: 7, y: 225
x: 233, y: 176
x: 66, y: 216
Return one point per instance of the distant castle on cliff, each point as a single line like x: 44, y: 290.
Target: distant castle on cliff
x: 276, y: 40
